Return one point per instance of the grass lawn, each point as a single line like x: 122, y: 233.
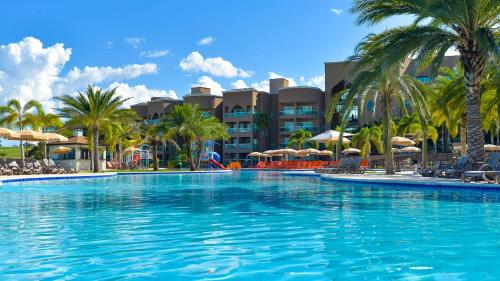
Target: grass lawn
x: 10, y: 152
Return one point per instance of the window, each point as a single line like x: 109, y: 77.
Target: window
x: 370, y: 105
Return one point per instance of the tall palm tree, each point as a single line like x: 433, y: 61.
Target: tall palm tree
x: 381, y: 85
x: 368, y: 138
x: 119, y: 135
x: 153, y: 135
x: 299, y: 139
x: 44, y: 121
x: 188, y: 123
x: 94, y: 109
x: 469, y: 26
x: 262, y: 122
x: 19, y: 116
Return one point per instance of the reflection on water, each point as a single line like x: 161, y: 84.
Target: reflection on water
x: 253, y: 225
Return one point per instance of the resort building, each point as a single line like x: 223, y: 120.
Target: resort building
x: 258, y: 120
x: 338, y: 76
x: 79, y: 156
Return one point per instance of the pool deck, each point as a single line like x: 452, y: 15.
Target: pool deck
x: 401, y: 179
x: 166, y: 173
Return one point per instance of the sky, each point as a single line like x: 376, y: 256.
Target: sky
x: 162, y: 48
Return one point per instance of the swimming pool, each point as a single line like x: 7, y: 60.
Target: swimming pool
x: 245, y: 226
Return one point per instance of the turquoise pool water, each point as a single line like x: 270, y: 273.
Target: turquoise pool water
x: 246, y: 226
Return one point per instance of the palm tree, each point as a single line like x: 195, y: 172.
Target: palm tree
x: 299, y: 139
x: 43, y: 121
x: 188, y: 123
x: 367, y: 139
x: 153, y: 135
x: 15, y: 115
x: 93, y: 110
x: 262, y: 122
x: 382, y: 85
x: 421, y: 129
x: 469, y: 26
x: 119, y: 135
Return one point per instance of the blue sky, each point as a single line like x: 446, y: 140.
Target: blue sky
x: 150, y: 48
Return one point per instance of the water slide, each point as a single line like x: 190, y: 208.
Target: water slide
x: 214, y: 161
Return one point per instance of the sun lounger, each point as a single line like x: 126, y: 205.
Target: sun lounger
x: 463, y: 164
x: 489, y: 172
x: 35, y: 169
x: 62, y: 167
x: 346, y: 165
x: 4, y: 170
x: 17, y: 169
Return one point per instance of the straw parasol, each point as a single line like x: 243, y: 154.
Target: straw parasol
x: 402, y: 141
x: 255, y: 154
x: 396, y: 150
x: 411, y: 149
x: 308, y: 151
x: 325, y: 153
x: 273, y: 153
x: 330, y: 136
x: 52, y: 137
x: 491, y: 148
x: 9, y: 134
x: 131, y: 149
x: 61, y: 150
x: 351, y: 151
x: 287, y: 151
x: 29, y: 135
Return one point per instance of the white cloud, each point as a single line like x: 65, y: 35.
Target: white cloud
x: 135, y: 42
x: 31, y: 70
x: 217, y: 66
x: 205, y: 81
x: 239, y: 84
x: 109, y: 44
x: 337, y: 11
x: 93, y: 74
x: 206, y: 41
x: 154, y: 54
x: 35, y: 72
x: 139, y: 93
x: 316, y: 81
x: 264, y: 84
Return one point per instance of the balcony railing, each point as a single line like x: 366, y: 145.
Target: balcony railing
x: 283, y: 145
x: 296, y: 128
x: 231, y: 145
x: 239, y: 130
x: 237, y: 114
x: 239, y: 146
x: 298, y: 112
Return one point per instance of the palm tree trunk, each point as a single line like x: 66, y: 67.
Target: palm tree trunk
x: 120, y: 156
x: 387, y: 137
x: 155, y: 156
x: 22, y: 152
x: 473, y: 64
x: 192, y: 164
x: 45, y: 156
x: 463, y: 134
x: 95, y: 149
x: 424, y: 150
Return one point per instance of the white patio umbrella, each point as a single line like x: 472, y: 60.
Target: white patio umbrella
x: 308, y: 151
x: 331, y: 136
x: 396, y: 150
x: 402, y: 141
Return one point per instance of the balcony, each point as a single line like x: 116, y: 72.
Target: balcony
x: 283, y: 145
x: 239, y: 146
x: 298, y: 112
x: 237, y: 114
x: 296, y: 128
x: 239, y: 130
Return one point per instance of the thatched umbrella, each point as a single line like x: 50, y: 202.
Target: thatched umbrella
x: 9, y: 134
x: 325, y: 153
x: 53, y: 137
x: 411, y: 149
x: 491, y: 148
x: 61, y: 150
x: 351, y: 151
x: 402, y: 141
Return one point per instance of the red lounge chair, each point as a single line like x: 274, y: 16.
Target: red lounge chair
x: 365, y: 164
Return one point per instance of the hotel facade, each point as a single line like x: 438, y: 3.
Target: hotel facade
x: 258, y: 120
